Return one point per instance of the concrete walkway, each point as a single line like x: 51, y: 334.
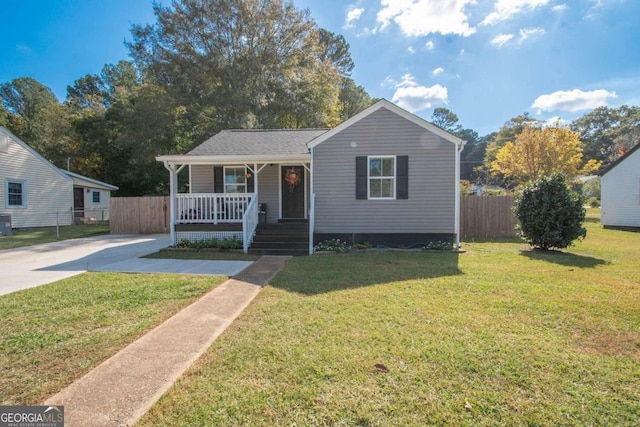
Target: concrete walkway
x: 121, y: 389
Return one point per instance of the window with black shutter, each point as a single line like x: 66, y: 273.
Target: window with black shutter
x: 382, y: 177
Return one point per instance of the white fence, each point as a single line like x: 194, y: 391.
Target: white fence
x: 207, y: 208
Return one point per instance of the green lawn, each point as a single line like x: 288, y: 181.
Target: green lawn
x: 53, y: 334
x: 35, y: 236
x: 498, y: 335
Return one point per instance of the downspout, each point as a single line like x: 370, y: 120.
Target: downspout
x: 312, y: 214
x: 459, y: 148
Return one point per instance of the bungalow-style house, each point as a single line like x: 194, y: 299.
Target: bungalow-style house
x: 384, y: 177
x: 38, y: 194
x: 620, y: 192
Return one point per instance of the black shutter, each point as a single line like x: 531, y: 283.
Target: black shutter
x: 402, y: 177
x: 250, y: 183
x: 361, y: 178
x: 218, y: 179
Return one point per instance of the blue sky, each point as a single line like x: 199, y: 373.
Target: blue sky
x: 486, y: 60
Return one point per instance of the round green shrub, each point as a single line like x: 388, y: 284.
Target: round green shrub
x: 550, y: 214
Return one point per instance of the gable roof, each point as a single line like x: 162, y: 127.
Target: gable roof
x: 33, y: 152
x: 621, y: 159
x: 89, y: 182
x: 383, y: 103
x: 238, y: 142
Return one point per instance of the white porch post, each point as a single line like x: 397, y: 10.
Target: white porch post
x: 173, y: 190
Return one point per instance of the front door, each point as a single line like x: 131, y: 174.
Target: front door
x: 292, y: 192
x: 78, y: 202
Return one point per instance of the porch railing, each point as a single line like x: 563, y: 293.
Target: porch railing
x: 209, y: 208
x: 249, y: 224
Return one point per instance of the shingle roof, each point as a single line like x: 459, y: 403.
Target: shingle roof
x: 239, y: 142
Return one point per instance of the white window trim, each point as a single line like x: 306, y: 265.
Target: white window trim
x: 369, y: 177
x: 224, y: 178
x: 99, y: 197
x: 23, y: 183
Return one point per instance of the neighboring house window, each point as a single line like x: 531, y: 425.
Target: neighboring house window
x: 16, y: 194
x: 95, y: 196
x: 382, y: 177
x: 235, y: 180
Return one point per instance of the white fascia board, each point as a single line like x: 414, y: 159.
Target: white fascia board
x: 394, y: 109
x: 85, y: 181
x: 227, y: 160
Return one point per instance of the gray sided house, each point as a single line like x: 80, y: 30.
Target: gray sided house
x: 384, y: 177
x: 36, y: 193
x: 620, y: 192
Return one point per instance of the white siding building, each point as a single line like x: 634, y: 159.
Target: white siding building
x: 621, y: 192
x: 35, y: 193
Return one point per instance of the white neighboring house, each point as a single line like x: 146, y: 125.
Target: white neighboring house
x: 35, y: 193
x: 90, y: 198
x: 621, y: 192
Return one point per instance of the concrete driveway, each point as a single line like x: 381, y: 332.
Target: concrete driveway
x: 31, y: 266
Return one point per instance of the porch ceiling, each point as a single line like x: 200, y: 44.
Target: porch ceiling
x: 230, y: 160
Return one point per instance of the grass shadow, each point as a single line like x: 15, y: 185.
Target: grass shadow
x: 564, y: 258
x: 318, y: 274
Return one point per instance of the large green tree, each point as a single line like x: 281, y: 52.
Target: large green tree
x: 33, y: 113
x: 607, y: 133
x: 241, y: 63
x: 473, y: 151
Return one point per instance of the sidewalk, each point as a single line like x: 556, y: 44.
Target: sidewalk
x: 121, y: 389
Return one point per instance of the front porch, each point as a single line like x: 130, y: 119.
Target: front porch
x: 220, y: 207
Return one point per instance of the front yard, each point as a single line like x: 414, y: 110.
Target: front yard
x: 498, y: 335
x: 495, y: 336
x: 36, y: 236
x: 53, y: 334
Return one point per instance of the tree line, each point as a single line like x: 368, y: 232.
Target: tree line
x: 204, y: 66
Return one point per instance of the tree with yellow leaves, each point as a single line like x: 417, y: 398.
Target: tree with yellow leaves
x: 537, y: 153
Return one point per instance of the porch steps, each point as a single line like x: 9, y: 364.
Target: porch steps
x: 289, y: 238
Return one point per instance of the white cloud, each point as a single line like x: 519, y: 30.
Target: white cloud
x: 555, y: 120
x: 505, y: 9
x: 411, y: 50
x: 389, y: 82
x: 430, y: 45
x: 353, y: 15
x: 413, y: 97
x: 424, y: 17
x: 526, y: 33
x: 501, y: 39
x: 572, y: 100
x: 560, y: 8
x: 437, y: 71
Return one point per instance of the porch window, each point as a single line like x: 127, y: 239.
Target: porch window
x: 16, y: 194
x: 382, y: 177
x: 95, y: 197
x: 235, y: 180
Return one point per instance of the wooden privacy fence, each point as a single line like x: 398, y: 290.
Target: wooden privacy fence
x: 487, y: 216
x: 480, y: 216
x: 139, y: 215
